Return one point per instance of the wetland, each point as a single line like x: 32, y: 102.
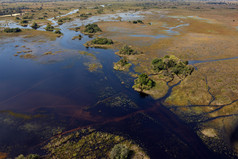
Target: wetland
x: 136, y: 79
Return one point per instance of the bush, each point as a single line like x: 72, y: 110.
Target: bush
x: 137, y: 21
x: 58, y: 32
x: 102, y: 41
x: 92, y: 28
x: 119, y: 152
x: 12, y: 30
x: 126, y: 50
x: 24, y: 21
x: 35, y: 25
x: 49, y: 27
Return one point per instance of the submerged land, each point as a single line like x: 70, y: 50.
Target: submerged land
x: 139, y: 79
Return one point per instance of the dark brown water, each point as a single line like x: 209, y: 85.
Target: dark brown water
x: 42, y: 96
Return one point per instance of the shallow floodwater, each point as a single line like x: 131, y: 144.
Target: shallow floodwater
x: 53, y: 93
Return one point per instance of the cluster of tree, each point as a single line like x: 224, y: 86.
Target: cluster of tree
x: 35, y: 25
x: 62, y: 20
x: 127, y: 50
x: 172, y: 65
x: 58, y: 32
x: 92, y: 28
x: 137, y: 21
x: 120, y: 151
x: 7, y: 11
x: 143, y: 82
x: 102, y: 41
x: 49, y: 27
x: 24, y: 21
x: 12, y: 30
x: 123, y: 62
x: 85, y: 15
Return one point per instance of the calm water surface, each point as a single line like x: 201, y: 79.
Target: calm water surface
x: 51, y: 93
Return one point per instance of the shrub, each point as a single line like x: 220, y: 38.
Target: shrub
x: 126, y: 50
x: 12, y: 30
x: 49, y: 27
x: 58, y: 32
x: 102, y: 41
x: 35, y: 25
x: 119, y: 152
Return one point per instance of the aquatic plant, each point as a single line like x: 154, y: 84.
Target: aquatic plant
x: 119, y: 151
x: 122, y: 64
x: 30, y: 156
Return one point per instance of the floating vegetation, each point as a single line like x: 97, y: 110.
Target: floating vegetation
x: 87, y: 54
x: 89, y: 143
x: 28, y: 56
x: 92, y: 67
x: 77, y: 37
x: 48, y: 53
x: 19, y: 115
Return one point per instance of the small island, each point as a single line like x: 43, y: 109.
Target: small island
x: 99, y: 42
x: 122, y: 65
x: 91, y: 29
x: 143, y: 82
x: 171, y: 65
x: 12, y: 30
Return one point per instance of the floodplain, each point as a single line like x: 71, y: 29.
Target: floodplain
x: 159, y: 78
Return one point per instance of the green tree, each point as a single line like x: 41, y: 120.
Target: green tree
x: 35, y: 25
x: 143, y: 82
x: 49, y: 27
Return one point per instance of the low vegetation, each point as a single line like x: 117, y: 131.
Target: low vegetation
x: 31, y: 156
x: 122, y: 65
x: 35, y: 25
x: 63, y: 20
x: 89, y: 143
x: 143, y: 82
x: 137, y: 21
x: 120, y: 151
x: 49, y: 27
x: 12, y: 30
x: 127, y: 50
